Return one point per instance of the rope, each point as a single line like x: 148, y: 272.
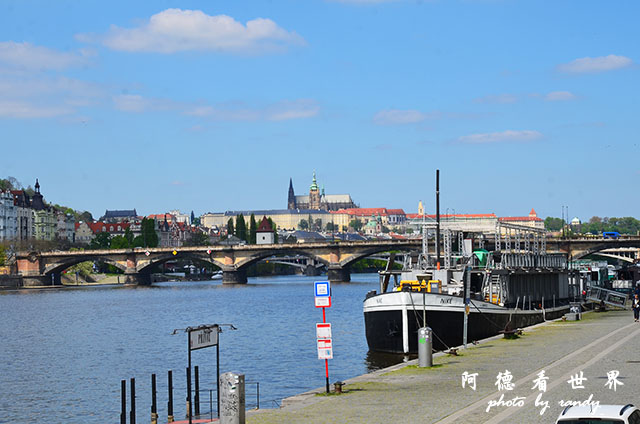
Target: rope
x: 415, y: 314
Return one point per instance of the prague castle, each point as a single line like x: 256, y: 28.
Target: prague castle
x: 317, y: 200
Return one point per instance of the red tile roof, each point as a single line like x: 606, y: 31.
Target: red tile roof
x: 96, y: 227
x: 461, y: 216
x: 519, y: 218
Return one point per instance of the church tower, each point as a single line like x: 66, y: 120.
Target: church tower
x: 314, y: 194
x: 291, y: 202
x: 37, y: 201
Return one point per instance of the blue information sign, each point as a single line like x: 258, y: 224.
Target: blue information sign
x: 322, y: 288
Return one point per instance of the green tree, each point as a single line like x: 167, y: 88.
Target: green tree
x: 148, y: 236
x: 198, y: 239
x: 119, y: 242
x: 101, y: 241
x: 241, y: 228
x: 330, y: 226
x: 129, y: 236
x: 9, y: 183
x: 3, y: 255
x: 356, y: 224
x: 230, y: 230
x: 303, y: 224
x: 85, y: 216
x: 275, y: 230
x: 553, y: 224
x: 253, y: 227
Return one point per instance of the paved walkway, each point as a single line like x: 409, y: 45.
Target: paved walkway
x: 600, y: 343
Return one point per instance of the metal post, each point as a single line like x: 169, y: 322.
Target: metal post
x: 211, y: 404
x: 258, y: 395
x: 467, y: 288
x: 218, y: 374
x: 425, y: 347
x: 170, y: 402
x: 154, y: 405
x: 132, y: 414
x: 123, y: 410
x: 197, y: 393
x: 438, y: 218
x: 189, y: 394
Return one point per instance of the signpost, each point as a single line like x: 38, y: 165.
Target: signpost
x: 322, y: 291
x: 202, y: 337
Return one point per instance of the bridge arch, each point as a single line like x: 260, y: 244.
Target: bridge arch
x: 258, y: 256
x: 579, y: 254
x: 372, y: 251
x: 144, y: 267
x: 60, y: 266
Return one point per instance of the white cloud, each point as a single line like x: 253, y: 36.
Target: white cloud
x: 501, y: 137
x: 175, y: 30
x: 27, y: 110
x: 39, y: 96
x: 499, y: 98
x: 558, y: 96
x: 30, y: 57
x: 232, y: 111
x: 595, y: 64
x: 401, y: 117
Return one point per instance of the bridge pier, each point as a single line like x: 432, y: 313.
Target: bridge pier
x: 234, y: 276
x: 311, y: 270
x: 339, y: 274
x: 138, y: 278
x: 41, y: 280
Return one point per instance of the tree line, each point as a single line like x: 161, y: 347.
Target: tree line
x: 596, y: 225
x: 248, y: 235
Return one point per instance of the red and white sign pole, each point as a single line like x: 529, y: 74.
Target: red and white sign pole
x: 323, y: 331
x: 326, y: 360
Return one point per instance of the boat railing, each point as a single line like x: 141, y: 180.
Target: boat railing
x: 531, y: 260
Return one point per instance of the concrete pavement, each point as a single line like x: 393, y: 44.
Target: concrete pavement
x: 596, y: 346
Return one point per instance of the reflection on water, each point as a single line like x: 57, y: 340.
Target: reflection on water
x: 64, y: 351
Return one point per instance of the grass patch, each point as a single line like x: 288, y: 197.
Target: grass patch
x: 413, y: 369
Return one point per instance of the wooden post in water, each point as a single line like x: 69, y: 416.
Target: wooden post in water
x: 170, y: 401
x: 189, y: 394
x: 132, y: 413
x: 154, y: 405
x: 123, y: 410
x: 197, y: 394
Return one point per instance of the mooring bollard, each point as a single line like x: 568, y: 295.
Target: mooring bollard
x: 170, y: 401
x: 232, y: 400
x: 425, y: 345
x: 123, y: 395
x: 154, y: 405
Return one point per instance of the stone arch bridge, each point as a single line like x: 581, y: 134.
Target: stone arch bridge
x: 45, y: 268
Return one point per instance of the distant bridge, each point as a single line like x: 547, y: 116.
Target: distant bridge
x: 578, y: 248
x: 45, y: 268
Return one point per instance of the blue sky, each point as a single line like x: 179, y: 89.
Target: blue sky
x: 214, y: 105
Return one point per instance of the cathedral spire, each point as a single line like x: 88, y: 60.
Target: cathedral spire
x: 314, y: 183
x: 291, y: 201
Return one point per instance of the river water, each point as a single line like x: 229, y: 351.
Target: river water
x: 65, y: 351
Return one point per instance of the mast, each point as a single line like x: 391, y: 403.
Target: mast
x: 438, y: 218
